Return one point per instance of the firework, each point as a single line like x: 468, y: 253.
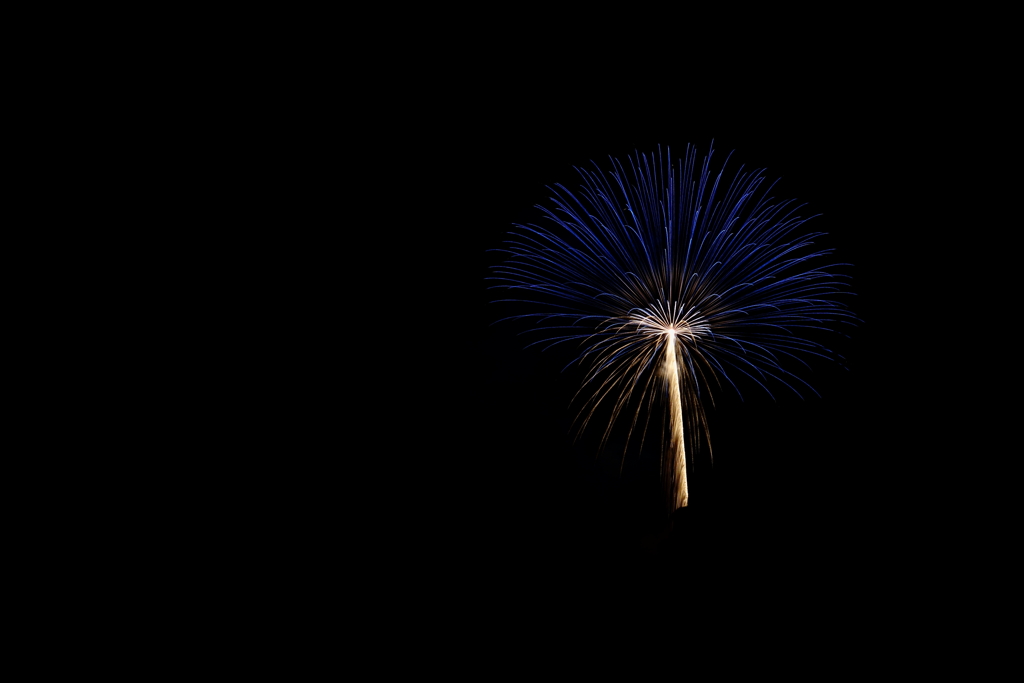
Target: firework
x: 670, y: 281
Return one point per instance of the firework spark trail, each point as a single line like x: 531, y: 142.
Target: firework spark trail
x: 679, y: 492
x: 674, y: 275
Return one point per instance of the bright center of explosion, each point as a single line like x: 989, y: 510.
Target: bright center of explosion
x: 654, y: 323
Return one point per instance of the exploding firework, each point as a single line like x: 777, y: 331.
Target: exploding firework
x: 670, y: 282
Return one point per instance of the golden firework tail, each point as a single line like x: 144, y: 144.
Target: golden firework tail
x: 678, y: 491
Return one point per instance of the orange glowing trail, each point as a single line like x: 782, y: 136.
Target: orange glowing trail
x: 677, y: 449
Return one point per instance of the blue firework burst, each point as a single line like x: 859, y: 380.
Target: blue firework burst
x: 670, y: 279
